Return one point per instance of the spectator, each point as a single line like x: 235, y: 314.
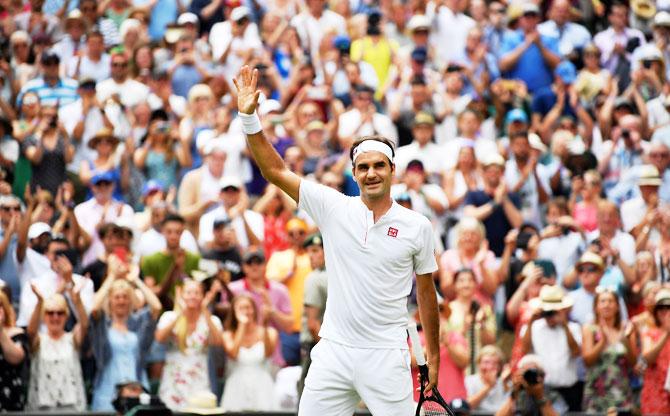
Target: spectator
x: 556, y: 341
x: 71, y: 45
x: 13, y: 354
x: 190, y: 330
x: 462, y: 178
x: 363, y: 118
x: 224, y: 249
x: 56, y: 353
x: 656, y: 352
x: 588, y: 187
x: 276, y: 208
x: 153, y: 241
x: 249, y: 341
x: 528, y: 55
x: 49, y: 150
x: 164, y: 270
x: 618, y: 41
x: 291, y: 267
x: 314, y: 22
x: 474, y: 320
x: 451, y: 29
x: 529, y: 392
x: 314, y: 301
x: 105, y: 143
x: 497, y: 209
x: 562, y: 240
x: 471, y: 252
x: 486, y: 392
x: 422, y: 146
x: 572, y: 37
x: 609, y: 351
x: 162, y: 154
x: 247, y: 224
x: 120, y: 88
x: 120, y: 334
x: 93, y: 63
x: 10, y: 218
x: 50, y: 87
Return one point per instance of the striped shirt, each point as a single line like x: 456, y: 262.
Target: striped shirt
x: 63, y: 93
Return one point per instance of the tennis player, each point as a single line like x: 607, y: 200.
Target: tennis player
x: 372, y: 246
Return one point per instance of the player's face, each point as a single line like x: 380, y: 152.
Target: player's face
x: 373, y: 173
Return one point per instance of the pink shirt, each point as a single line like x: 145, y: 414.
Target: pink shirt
x: 452, y: 262
x: 586, y: 216
x: 451, y: 379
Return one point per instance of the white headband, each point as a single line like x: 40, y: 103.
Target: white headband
x: 373, y: 146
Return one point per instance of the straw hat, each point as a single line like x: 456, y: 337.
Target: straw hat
x: 103, y: 133
x: 202, y: 403
x: 552, y: 298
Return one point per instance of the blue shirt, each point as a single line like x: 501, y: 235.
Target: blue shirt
x: 8, y: 268
x: 162, y: 14
x: 497, y: 225
x: 183, y: 78
x: 530, y: 68
x: 545, y: 98
x: 62, y: 93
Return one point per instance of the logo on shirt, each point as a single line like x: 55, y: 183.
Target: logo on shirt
x: 393, y: 232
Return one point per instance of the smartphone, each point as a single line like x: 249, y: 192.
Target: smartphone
x: 121, y: 253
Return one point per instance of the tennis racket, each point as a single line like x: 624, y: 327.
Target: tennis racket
x: 433, y: 405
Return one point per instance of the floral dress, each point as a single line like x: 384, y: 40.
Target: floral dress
x: 186, y: 372
x: 654, y: 398
x: 12, y: 384
x: 56, y: 380
x: 607, y: 381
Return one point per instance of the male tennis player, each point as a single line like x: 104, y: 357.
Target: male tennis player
x: 372, y: 245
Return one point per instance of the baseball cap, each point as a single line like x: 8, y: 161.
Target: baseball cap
x: 313, y: 240
x: 102, y: 177
x: 342, y: 42
x: 423, y: 118
x: 239, y: 13
x: 530, y: 7
x: 536, y: 143
x: 269, y: 106
x: 186, y: 18
x: 152, y: 185
x: 661, y: 18
x: 566, y: 71
x: 415, y: 165
x: 230, y: 181
x: 493, y: 159
x: 418, y: 21
x: 256, y: 254
x: 37, y: 229
x: 515, y: 115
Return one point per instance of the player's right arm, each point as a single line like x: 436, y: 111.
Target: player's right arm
x: 269, y: 162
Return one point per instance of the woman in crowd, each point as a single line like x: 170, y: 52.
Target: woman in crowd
x: 161, y: 155
x: 49, y: 150
x: 609, y: 350
x: 486, y: 392
x: 200, y: 116
x: 277, y: 208
x: 471, y: 252
x: 56, y: 381
x: 249, y: 346
x: 105, y: 143
x: 473, y: 319
x: 589, y: 188
x: 119, y: 334
x: 462, y: 178
x: 189, y: 330
x: 13, y: 354
x: 655, y: 397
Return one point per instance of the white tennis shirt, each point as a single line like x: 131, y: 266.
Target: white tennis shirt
x: 369, y: 265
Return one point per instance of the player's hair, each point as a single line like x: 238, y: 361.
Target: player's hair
x: 376, y: 137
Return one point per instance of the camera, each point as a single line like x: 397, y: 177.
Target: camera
x: 647, y: 64
x: 625, y: 134
x: 53, y: 122
x: 522, y: 240
x: 548, y: 314
x: 532, y: 376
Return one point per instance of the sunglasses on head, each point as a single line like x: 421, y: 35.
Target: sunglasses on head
x: 55, y: 313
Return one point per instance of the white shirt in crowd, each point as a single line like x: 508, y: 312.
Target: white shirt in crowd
x: 130, y: 92
x: 254, y: 219
x: 372, y: 266
x: 70, y: 115
x: 151, y: 241
x: 350, y: 121
x: 311, y: 29
x: 493, y: 401
x: 83, y: 67
x: 551, y: 345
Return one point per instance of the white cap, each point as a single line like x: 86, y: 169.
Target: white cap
x: 530, y: 7
x: 38, y: 229
x: 418, y: 21
x: 227, y: 181
x: 493, y: 159
x: 212, y: 146
x: 187, y: 17
x: 239, y: 12
x: 662, y: 18
x: 268, y: 106
x: 649, y: 52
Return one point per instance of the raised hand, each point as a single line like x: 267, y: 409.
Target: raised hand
x: 247, y: 93
x: 37, y: 292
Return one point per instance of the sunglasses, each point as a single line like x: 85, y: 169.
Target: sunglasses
x: 254, y: 262
x: 55, y: 313
x: 663, y: 308
x: 119, y: 64
x: 588, y: 269
x: 296, y: 233
x: 103, y: 183
x: 15, y: 209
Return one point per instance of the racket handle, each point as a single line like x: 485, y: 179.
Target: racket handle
x: 416, y: 344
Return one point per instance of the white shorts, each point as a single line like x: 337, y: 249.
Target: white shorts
x: 341, y: 376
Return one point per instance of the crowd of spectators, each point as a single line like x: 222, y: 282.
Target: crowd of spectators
x: 140, y: 244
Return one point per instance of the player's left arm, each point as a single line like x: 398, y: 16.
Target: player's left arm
x: 430, y: 322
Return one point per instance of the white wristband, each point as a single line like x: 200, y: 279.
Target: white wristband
x: 251, y: 124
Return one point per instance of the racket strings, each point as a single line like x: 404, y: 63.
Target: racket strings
x: 431, y: 408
